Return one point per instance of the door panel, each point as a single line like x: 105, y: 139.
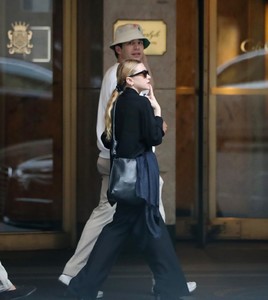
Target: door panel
x: 31, y: 107
x: 238, y: 198
x: 186, y: 80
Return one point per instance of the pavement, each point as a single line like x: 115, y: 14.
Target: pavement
x: 223, y: 270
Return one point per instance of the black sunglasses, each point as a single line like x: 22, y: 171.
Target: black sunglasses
x: 143, y: 72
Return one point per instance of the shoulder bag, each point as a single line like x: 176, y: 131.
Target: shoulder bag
x: 123, y: 176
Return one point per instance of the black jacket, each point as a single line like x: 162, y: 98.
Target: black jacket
x: 136, y: 127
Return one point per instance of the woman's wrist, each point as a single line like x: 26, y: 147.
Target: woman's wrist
x: 157, y: 112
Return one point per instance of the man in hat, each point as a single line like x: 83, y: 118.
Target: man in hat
x: 129, y: 43
x: 9, y: 291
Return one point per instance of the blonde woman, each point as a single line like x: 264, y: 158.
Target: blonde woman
x: 128, y: 43
x: 138, y: 127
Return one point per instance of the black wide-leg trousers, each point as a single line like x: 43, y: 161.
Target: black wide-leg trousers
x: 159, y: 253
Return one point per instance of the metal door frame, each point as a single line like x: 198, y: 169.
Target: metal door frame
x: 225, y: 228
x: 66, y: 237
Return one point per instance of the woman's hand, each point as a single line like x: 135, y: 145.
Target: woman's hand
x: 155, y: 105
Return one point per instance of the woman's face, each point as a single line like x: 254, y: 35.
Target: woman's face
x: 140, y: 79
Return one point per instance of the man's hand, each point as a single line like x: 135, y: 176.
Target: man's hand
x: 164, y: 127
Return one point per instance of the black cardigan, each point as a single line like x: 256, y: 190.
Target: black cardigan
x: 136, y: 127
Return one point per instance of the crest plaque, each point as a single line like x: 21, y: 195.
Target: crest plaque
x: 20, y: 38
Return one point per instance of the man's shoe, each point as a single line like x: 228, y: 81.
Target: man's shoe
x: 65, y: 279
x: 19, y: 293
x: 100, y: 295
x: 191, y: 286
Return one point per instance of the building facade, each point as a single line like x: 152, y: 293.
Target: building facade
x: 208, y: 60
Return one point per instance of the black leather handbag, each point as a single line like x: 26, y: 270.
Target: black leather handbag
x: 123, y: 176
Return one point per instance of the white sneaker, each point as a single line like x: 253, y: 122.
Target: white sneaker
x: 65, y: 279
x: 191, y: 286
x: 100, y: 294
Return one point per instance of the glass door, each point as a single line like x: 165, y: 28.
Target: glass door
x: 238, y: 118
x: 33, y: 121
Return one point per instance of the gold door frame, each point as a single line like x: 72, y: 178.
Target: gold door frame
x: 66, y: 237
x: 229, y: 228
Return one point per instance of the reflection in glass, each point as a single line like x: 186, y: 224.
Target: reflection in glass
x: 27, y: 184
x: 242, y: 156
x: 31, y: 118
x: 244, y: 71
x: 22, y: 78
x: 242, y: 117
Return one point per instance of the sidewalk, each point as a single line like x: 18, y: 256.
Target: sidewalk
x: 223, y: 270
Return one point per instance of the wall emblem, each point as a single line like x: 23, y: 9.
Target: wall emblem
x: 20, y: 38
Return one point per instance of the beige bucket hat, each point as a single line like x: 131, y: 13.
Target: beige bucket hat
x: 129, y: 32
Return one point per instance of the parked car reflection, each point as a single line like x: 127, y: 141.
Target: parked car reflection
x: 27, y: 196
x: 241, y: 114
x: 247, y: 70
x: 242, y: 136
x: 22, y: 78
x: 35, y: 170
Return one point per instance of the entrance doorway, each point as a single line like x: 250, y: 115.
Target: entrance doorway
x: 33, y: 113
x: 222, y: 61
x: 238, y: 123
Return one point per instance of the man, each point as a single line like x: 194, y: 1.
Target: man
x: 129, y: 42
x: 9, y: 291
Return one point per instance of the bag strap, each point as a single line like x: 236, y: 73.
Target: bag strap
x: 114, y: 144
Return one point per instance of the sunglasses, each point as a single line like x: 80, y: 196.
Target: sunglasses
x: 144, y: 73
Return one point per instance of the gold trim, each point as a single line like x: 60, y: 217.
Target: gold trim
x: 241, y: 228
x: 237, y: 91
x: 185, y: 90
x: 211, y: 28
x: 34, y: 241
x: 69, y: 119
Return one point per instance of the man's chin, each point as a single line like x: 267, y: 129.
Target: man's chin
x: 138, y: 57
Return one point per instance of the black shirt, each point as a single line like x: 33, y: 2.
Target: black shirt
x: 136, y: 127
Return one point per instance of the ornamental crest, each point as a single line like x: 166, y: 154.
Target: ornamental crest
x: 20, y: 38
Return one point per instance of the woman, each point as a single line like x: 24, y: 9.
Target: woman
x: 138, y: 127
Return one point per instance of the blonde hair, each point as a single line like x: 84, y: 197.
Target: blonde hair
x: 125, y: 69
